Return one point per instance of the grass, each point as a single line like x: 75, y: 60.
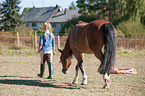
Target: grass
x: 19, y: 68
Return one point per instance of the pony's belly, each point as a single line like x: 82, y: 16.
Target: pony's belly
x: 81, y: 49
x: 87, y: 51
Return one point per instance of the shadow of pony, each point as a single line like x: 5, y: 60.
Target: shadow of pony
x: 38, y: 83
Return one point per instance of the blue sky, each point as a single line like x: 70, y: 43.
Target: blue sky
x: 44, y: 3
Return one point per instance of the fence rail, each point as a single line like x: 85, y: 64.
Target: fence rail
x: 60, y: 41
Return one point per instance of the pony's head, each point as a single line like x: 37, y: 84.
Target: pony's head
x: 66, y: 61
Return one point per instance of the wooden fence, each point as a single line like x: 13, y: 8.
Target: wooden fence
x: 60, y: 41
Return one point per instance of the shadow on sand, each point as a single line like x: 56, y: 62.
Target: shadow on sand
x: 38, y: 83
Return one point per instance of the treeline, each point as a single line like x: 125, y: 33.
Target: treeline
x: 128, y: 16
x: 9, y: 15
x: 114, y: 11
x: 124, y: 14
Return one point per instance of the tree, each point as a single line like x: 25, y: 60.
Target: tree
x: 72, y: 6
x: 10, y: 16
x: 115, y: 11
x: 101, y: 8
x: 142, y: 12
x: 82, y: 7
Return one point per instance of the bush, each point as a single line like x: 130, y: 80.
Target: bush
x: 23, y: 30
x: 132, y: 29
x: 68, y: 26
x: 70, y: 23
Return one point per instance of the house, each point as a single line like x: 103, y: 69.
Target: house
x: 59, y: 19
x: 34, y: 17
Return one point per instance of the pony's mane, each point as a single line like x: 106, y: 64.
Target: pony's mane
x: 81, y: 23
x: 67, y: 49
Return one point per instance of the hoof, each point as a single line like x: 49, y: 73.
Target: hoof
x: 49, y: 77
x: 105, y: 87
x: 83, y: 83
x: 74, y: 82
x: 39, y: 75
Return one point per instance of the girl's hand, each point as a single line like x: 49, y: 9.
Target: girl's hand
x: 54, y: 52
x: 38, y: 51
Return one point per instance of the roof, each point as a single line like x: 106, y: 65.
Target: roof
x: 64, y: 16
x: 51, y: 14
x: 39, y: 14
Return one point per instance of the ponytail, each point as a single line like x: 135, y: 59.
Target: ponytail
x: 46, y: 26
x: 45, y: 34
x: 49, y: 34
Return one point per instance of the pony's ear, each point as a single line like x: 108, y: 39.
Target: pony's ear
x: 60, y: 50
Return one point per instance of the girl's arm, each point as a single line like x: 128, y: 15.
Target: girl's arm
x: 53, y: 45
x: 53, y: 48
x: 39, y: 49
x: 40, y: 44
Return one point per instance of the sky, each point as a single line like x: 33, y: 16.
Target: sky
x: 44, y: 3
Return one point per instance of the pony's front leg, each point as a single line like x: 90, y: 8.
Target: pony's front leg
x: 76, y: 76
x: 106, y: 78
x: 79, y: 56
x: 75, y: 81
x: 84, y: 79
x: 84, y: 76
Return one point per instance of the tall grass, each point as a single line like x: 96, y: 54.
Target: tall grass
x: 24, y: 30
x: 17, y: 50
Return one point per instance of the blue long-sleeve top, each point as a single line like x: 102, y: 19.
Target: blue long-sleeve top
x: 47, y: 42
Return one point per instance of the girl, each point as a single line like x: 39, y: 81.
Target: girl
x: 46, y: 49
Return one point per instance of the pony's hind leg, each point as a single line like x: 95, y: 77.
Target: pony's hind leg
x: 106, y: 78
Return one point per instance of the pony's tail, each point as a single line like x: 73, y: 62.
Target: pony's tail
x: 108, y: 58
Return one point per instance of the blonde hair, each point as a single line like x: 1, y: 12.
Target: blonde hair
x: 47, y: 25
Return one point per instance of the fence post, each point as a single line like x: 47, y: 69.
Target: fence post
x: 18, y: 38
x: 58, y: 42
x: 35, y: 42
